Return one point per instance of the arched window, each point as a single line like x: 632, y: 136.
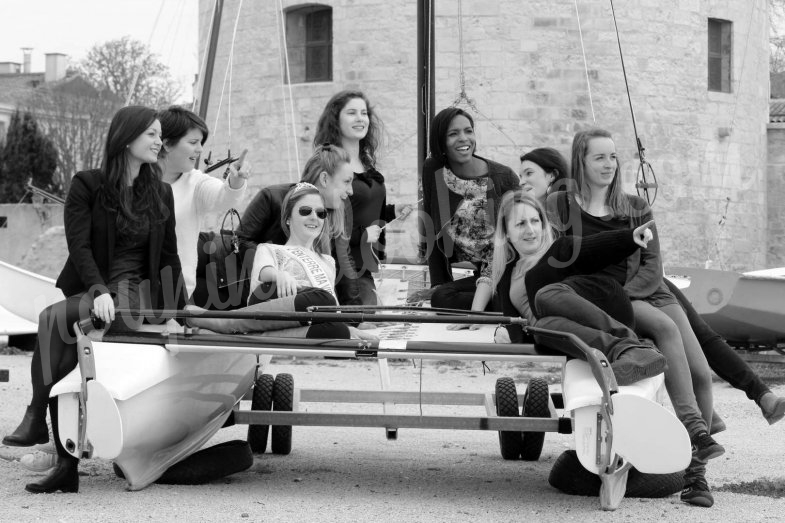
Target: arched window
x: 309, y: 43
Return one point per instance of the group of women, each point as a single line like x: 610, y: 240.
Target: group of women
x: 567, y: 249
x: 562, y: 246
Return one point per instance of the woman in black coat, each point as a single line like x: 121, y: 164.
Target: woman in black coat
x: 120, y: 228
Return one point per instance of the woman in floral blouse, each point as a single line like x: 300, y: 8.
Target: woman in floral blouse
x: 461, y: 195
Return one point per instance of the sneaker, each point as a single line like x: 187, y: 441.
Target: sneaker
x: 696, y: 492
x: 704, y: 447
x: 43, y: 459
x: 638, y: 363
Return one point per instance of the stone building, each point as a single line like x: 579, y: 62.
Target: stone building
x: 698, y: 77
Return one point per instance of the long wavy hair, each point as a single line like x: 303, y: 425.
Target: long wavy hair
x: 616, y: 198
x: 328, y: 129
x: 503, y: 250
x: 322, y: 242
x: 437, y: 136
x: 326, y: 159
x: 142, y: 205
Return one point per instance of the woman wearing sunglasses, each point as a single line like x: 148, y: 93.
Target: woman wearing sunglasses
x: 293, y: 276
x: 329, y: 172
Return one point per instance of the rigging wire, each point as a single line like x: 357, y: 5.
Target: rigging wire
x: 138, y: 71
x: 724, y: 167
x: 463, y: 96
x: 227, y: 75
x: 644, y: 167
x: 285, y: 52
x: 585, y: 63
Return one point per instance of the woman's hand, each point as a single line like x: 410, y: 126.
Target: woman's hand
x: 501, y: 335
x: 402, y: 210
x: 357, y: 334
x: 285, y: 284
x: 643, y: 235
x: 239, y: 172
x: 103, y: 307
x: 461, y: 326
x: 373, y: 232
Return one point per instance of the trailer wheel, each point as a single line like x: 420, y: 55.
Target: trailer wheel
x: 507, y: 406
x: 535, y: 405
x: 569, y: 476
x: 283, y: 400
x: 262, y: 400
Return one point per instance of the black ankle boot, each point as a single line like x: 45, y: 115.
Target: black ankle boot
x: 31, y: 431
x: 64, y: 477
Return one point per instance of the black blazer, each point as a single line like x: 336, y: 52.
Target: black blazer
x: 90, y: 233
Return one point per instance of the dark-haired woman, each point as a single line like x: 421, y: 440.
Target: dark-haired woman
x: 350, y: 121
x: 543, y: 171
x: 120, y: 227
x: 461, y: 195
x: 195, y: 193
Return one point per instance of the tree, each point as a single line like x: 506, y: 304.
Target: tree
x: 119, y: 65
x: 776, y: 36
x: 26, y: 156
x: 75, y: 116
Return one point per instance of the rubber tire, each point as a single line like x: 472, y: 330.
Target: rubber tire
x: 283, y: 400
x: 535, y: 405
x: 206, y: 465
x: 569, y: 476
x: 262, y: 400
x: 507, y: 405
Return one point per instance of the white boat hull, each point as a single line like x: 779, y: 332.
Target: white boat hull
x: 149, y: 408
x: 742, y: 308
x: 24, y: 295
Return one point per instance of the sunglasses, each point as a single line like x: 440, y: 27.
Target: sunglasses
x: 321, y: 213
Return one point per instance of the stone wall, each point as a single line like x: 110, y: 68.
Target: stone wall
x: 524, y: 70
x: 775, y: 189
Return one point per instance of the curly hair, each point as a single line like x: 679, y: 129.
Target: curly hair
x: 328, y: 129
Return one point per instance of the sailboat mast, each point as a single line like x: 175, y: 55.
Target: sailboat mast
x: 425, y: 92
x: 204, y: 99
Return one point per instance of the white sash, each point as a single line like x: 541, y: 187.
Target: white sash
x: 314, y: 270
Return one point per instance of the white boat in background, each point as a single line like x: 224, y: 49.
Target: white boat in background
x: 24, y: 295
x: 744, y: 308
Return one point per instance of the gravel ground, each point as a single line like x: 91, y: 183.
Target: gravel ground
x: 343, y: 474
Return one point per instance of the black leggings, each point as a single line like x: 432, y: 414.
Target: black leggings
x: 306, y: 297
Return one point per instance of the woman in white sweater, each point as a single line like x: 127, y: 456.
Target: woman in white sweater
x: 195, y: 193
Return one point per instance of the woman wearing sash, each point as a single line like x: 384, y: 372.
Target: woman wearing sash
x: 328, y: 170
x: 293, y: 276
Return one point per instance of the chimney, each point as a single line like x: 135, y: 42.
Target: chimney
x: 27, y: 51
x: 55, y: 67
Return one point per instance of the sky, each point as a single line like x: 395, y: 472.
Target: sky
x: 72, y: 27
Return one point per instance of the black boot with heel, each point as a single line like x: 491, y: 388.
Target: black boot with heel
x: 65, y: 476
x: 31, y: 431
